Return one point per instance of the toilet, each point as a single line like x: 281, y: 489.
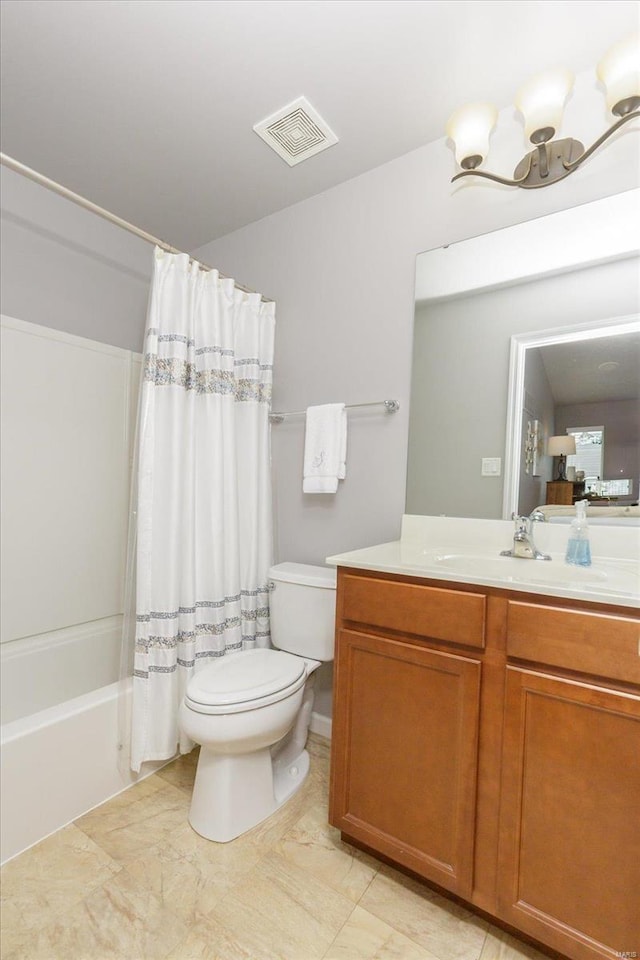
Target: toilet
x: 250, y: 711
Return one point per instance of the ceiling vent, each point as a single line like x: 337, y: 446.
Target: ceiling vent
x: 296, y: 132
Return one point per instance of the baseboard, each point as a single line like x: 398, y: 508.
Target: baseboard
x: 320, y: 725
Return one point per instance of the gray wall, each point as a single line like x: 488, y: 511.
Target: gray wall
x: 621, y: 421
x: 341, y: 267
x: 68, y: 269
x: 461, y: 372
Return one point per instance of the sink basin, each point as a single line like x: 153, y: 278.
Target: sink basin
x: 463, y: 550
x: 530, y: 571
x: 604, y: 576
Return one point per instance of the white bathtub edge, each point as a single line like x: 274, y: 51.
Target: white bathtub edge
x: 49, y: 669
x: 23, y: 726
x: 143, y: 776
x: 56, y: 771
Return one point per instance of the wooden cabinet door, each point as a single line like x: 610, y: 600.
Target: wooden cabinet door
x: 569, y: 863
x: 560, y: 491
x: 404, y: 754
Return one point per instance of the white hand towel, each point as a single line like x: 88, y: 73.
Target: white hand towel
x: 325, y: 448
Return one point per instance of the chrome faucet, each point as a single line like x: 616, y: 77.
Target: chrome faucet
x: 523, y: 545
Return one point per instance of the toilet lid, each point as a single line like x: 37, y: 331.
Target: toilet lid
x: 242, y: 677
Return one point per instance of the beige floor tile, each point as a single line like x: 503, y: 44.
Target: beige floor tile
x: 211, y: 941
x: 314, y: 846
x: 132, y: 880
x: 266, y: 835
x: 278, y: 912
x: 50, y: 877
x: 181, y: 772
x: 438, y: 925
x: 319, y: 747
x: 239, y: 854
x: 500, y: 946
x: 118, y: 921
x: 191, y: 874
x: 365, y: 937
x: 319, y: 751
x: 198, y: 945
x: 135, y: 821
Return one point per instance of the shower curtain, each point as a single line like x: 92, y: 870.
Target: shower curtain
x: 203, y: 512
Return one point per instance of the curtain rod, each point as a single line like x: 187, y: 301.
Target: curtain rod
x: 390, y: 405
x: 105, y: 214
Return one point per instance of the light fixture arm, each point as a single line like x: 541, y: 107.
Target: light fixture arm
x: 487, y: 176
x: 492, y: 176
x: 572, y: 165
x: 550, y: 161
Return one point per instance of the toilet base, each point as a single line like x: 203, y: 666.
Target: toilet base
x: 289, y: 777
x: 232, y: 794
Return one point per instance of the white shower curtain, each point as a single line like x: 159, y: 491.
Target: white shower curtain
x: 203, y: 491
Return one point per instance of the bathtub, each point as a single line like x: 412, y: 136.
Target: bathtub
x: 51, y: 668
x: 59, y: 735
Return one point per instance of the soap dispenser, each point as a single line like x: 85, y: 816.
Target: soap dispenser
x: 578, y: 547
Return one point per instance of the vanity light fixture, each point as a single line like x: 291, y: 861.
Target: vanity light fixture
x: 563, y: 446
x: 541, y: 102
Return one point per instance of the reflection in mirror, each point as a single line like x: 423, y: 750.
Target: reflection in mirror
x: 582, y: 384
x: 558, y: 280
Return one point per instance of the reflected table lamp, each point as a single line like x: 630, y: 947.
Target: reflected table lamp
x: 562, y: 447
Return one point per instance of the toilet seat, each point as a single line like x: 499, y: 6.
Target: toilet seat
x: 245, y: 681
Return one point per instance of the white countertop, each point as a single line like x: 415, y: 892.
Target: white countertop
x: 468, y: 551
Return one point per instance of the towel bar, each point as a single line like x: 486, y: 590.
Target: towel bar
x: 391, y: 406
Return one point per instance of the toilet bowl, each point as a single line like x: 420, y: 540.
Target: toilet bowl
x: 250, y: 711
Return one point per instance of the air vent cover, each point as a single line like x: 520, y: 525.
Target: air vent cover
x: 296, y: 132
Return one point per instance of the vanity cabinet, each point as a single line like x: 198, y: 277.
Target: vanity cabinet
x: 489, y: 741
x: 406, y: 728
x: 569, y: 852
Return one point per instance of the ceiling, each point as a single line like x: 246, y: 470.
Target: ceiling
x: 594, y: 371
x: 147, y: 107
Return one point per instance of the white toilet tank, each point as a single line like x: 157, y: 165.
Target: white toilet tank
x: 302, y: 605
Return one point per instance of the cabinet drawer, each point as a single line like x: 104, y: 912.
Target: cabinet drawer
x: 448, y: 615
x: 594, y: 643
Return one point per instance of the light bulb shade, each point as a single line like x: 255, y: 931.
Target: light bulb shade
x: 470, y: 128
x: 619, y: 71
x: 541, y: 102
x: 562, y: 446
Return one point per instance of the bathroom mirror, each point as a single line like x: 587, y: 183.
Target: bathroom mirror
x: 484, y: 305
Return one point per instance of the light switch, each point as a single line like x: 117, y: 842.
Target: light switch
x: 491, y: 466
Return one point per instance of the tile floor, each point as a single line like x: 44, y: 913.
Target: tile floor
x: 132, y: 880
